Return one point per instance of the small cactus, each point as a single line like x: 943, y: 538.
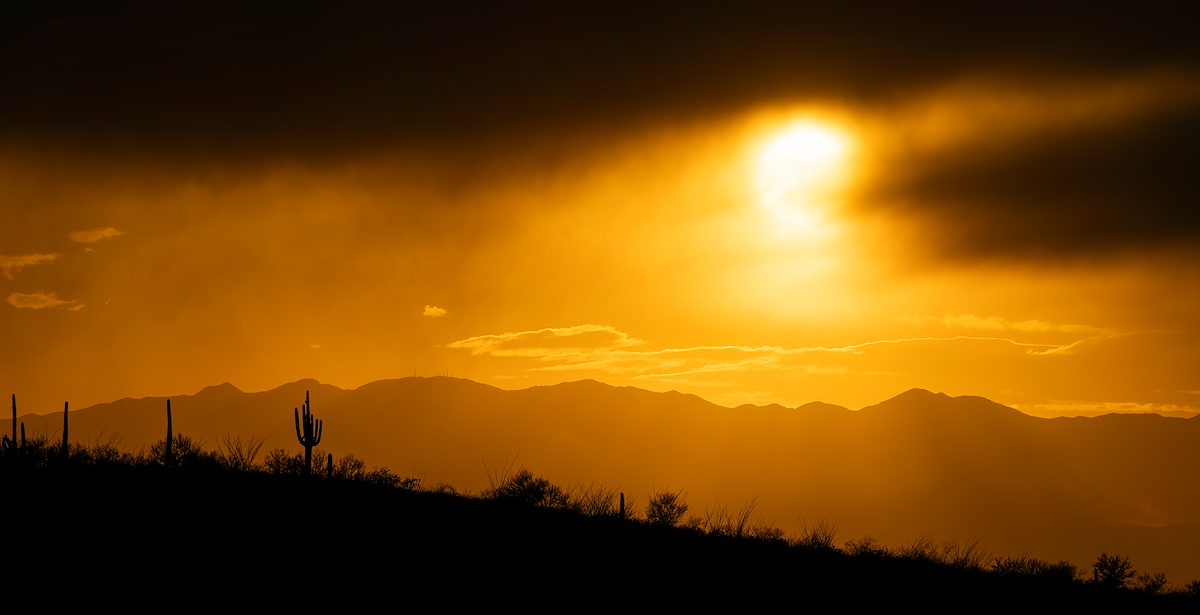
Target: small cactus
x: 622, y: 504
x: 310, y: 435
x: 329, y: 466
x: 66, y: 447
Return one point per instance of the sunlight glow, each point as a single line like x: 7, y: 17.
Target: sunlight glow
x: 798, y: 174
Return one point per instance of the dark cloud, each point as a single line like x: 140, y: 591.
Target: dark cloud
x: 306, y: 78
x: 1123, y: 185
x: 313, y: 81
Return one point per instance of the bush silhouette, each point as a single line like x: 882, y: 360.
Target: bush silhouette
x: 183, y: 452
x: 666, y: 508
x: 280, y: 461
x: 597, y: 500
x: 820, y: 536
x: 1025, y: 565
x: 238, y: 454
x: 525, y: 488
x: 1113, y: 571
x: 1151, y: 583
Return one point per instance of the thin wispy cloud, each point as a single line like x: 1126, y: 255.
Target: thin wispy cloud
x: 607, y: 349
x: 433, y: 311
x: 996, y: 323
x: 93, y: 235
x: 12, y: 264
x: 551, y: 342
x: 42, y: 301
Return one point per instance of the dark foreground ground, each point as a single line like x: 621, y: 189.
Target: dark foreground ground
x: 138, y: 538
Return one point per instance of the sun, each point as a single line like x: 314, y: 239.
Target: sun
x: 799, y: 173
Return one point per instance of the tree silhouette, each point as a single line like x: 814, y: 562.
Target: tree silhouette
x: 1113, y: 571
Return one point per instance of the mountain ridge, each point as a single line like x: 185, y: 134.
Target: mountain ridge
x: 915, y: 394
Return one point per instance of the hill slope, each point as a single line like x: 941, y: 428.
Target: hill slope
x: 956, y: 467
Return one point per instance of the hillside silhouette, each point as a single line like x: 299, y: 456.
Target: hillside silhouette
x: 134, y: 530
x: 919, y: 463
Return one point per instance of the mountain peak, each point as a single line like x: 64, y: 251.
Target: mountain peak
x: 920, y: 394
x: 922, y: 402
x: 225, y: 388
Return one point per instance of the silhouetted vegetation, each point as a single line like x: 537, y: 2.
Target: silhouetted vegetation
x: 526, y: 489
x: 1113, y: 571
x: 524, y: 530
x: 666, y: 508
x: 239, y: 454
x: 308, y: 431
x: 1027, y: 566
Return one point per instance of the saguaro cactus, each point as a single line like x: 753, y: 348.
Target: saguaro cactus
x: 168, y: 450
x: 329, y: 466
x: 310, y: 435
x: 66, y: 447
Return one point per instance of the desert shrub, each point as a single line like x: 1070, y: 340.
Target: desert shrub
x: 280, y: 461
x: 819, y: 536
x: 238, y: 454
x: 185, y: 451
x: 107, y: 453
x: 37, y: 450
x: 966, y: 556
x: 922, y: 548
x: 1151, y: 583
x: 383, y: 476
x: 596, y: 499
x: 527, y: 489
x: 1113, y: 571
x: 348, y: 467
x: 1024, y: 565
x: 768, y: 533
x: 867, y: 546
x: 666, y: 508
x: 719, y: 522
x: 443, y: 488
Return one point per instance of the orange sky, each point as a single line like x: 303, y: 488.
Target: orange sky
x: 980, y: 232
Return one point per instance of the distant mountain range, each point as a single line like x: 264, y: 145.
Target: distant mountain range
x: 955, y: 467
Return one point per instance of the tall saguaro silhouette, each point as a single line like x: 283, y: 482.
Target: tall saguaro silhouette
x: 66, y: 447
x: 310, y: 434
x: 169, y: 451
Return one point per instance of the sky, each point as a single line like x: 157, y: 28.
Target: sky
x: 756, y: 203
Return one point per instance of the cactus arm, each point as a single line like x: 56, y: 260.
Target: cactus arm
x: 296, y: 415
